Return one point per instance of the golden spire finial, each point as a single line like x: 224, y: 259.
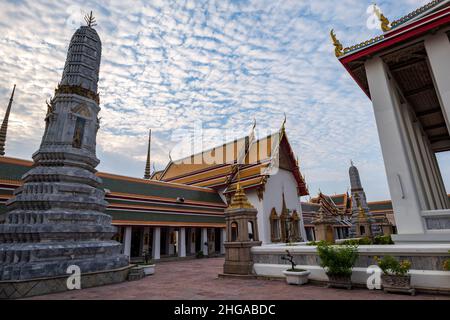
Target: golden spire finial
x: 239, y: 199
x: 383, y: 20
x: 90, y: 20
x: 338, y: 47
x: 362, y: 213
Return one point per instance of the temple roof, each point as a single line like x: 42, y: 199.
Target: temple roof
x: 136, y: 201
x: 217, y: 167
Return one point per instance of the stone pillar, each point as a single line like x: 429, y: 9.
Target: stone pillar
x: 127, y: 242
x: 223, y: 238
x: 401, y: 180
x: 156, y: 243
x: 182, y: 242
x: 239, y: 214
x: 204, y: 244
x: 438, y: 51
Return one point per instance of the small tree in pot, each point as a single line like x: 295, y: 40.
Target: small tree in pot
x: 395, y: 277
x: 148, y: 265
x: 338, y: 262
x: 294, y: 275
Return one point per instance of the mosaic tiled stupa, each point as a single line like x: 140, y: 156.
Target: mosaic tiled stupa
x: 56, y: 219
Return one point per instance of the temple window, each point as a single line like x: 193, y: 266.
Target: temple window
x: 362, y: 230
x: 274, y: 226
x: 234, y: 231
x: 78, y: 133
x: 285, y: 226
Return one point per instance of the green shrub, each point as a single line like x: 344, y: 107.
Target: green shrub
x: 447, y: 264
x: 383, y: 240
x: 338, y: 260
x: 392, y: 266
x: 317, y: 243
x: 199, y: 254
x: 356, y: 242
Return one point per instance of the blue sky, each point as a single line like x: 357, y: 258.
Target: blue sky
x: 167, y: 64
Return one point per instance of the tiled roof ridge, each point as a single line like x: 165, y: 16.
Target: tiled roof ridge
x: 394, y: 25
x: 29, y: 163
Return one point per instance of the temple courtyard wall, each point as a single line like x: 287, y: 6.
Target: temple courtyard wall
x: 427, y: 274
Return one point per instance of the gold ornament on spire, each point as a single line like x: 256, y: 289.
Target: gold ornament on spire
x: 338, y: 48
x: 383, y: 20
x: 362, y: 213
x: 239, y: 199
x: 90, y: 20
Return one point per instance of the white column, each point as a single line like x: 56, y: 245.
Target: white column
x: 223, y: 238
x: 401, y: 181
x: 156, y: 253
x: 204, y: 240
x: 127, y: 242
x: 438, y: 50
x: 182, y: 242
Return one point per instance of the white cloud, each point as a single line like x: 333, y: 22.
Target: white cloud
x: 168, y: 63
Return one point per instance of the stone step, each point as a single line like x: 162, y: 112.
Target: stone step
x: 136, y: 273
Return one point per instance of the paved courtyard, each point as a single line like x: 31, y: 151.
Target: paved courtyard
x: 197, y: 280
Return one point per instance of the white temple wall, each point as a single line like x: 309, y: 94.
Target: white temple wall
x: 273, y: 199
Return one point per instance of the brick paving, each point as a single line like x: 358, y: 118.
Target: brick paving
x: 198, y: 280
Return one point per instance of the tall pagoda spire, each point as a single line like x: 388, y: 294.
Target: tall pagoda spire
x: 57, y: 218
x: 147, y: 174
x: 4, y: 127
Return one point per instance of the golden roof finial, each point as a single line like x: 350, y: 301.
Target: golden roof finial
x: 283, y: 125
x: 338, y: 47
x: 362, y: 213
x: 239, y: 199
x: 383, y: 20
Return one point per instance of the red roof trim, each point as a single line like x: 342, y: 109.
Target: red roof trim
x: 416, y: 28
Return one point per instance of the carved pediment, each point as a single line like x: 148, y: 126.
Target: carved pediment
x: 82, y: 110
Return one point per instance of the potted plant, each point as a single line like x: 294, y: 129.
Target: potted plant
x: 148, y: 265
x: 338, y: 262
x: 294, y: 275
x: 395, y: 277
